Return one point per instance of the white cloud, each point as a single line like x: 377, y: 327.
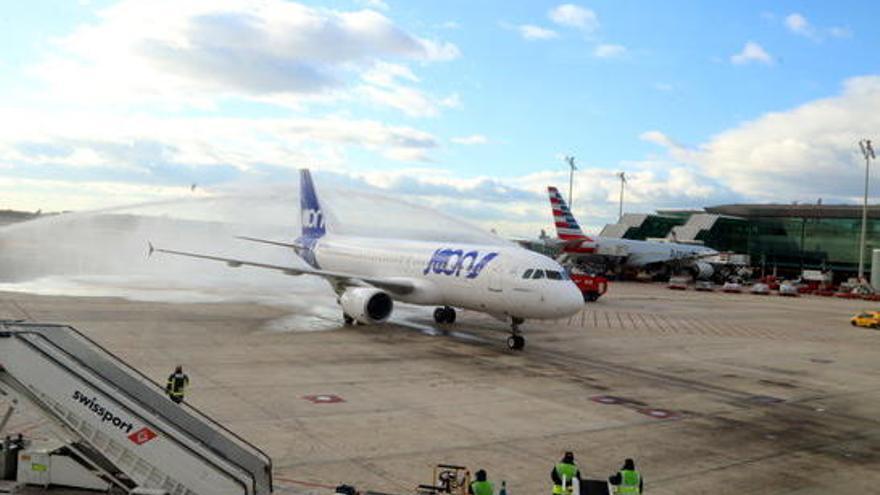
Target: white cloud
x: 798, y: 24
x: 194, y: 53
x: 609, y: 51
x: 518, y: 205
x: 751, y: 52
x: 515, y: 205
x: 386, y: 84
x: 140, y: 143
x: 803, y: 154
x: 531, y: 32
x: 470, y: 140
x: 575, y: 16
x: 451, y: 101
x: 658, y: 138
x: 386, y: 74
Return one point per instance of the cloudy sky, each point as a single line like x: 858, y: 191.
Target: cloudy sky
x: 465, y: 106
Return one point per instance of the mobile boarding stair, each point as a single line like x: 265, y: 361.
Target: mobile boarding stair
x: 120, y: 422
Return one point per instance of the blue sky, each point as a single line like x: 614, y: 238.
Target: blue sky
x: 467, y: 106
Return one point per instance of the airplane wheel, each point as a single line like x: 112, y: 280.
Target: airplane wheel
x: 450, y: 315
x: 516, y: 342
x: 348, y: 320
x: 444, y: 315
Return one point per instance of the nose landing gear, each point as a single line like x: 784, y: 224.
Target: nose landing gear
x: 445, y: 314
x: 516, y: 342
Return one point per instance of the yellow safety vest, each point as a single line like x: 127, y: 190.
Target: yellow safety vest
x: 567, y: 472
x: 629, y: 482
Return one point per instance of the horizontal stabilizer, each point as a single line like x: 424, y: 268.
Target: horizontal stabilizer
x: 292, y: 245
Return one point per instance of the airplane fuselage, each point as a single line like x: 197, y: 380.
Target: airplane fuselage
x: 644, y: 253
x: 485, y: 278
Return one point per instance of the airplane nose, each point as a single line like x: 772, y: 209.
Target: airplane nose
x: 572, y: 300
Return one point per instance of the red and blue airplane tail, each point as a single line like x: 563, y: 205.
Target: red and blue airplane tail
x: 567, y: 227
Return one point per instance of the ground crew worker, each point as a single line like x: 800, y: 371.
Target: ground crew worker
x: 480, y: 486
x: 177, y: 383
x: 628, y: 480
x: 563, y: 474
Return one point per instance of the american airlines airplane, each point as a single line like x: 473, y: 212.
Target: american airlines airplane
x: 646, y: 255
x: 369, y: 274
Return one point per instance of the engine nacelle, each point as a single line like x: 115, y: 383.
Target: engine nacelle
x: 703, y: 270
x: 366, y: 305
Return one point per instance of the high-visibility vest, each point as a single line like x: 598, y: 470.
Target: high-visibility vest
x: 482, y: 488
x: 566, y: 472
x: 629, y: 481
x: 177, y: 384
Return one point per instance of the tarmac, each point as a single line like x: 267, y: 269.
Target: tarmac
x: 708, y: 392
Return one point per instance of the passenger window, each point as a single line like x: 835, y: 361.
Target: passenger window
x: 538, y: 274
x: 528, y: 273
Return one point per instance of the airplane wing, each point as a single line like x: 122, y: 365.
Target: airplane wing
x: 337, y: 279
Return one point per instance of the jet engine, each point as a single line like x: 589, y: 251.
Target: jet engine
x: 703, y: 270
x: 366, y: 305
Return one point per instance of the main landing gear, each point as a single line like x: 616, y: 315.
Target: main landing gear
x: 516, y: 341
x: 444, y: 315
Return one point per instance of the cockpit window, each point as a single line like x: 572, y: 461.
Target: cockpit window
x: 538, y: 274
x: 554, y: 275
x: 528, y: 273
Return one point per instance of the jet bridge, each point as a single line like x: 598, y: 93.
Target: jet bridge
x: 119, y: 422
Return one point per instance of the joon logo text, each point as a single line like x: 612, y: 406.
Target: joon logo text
x: 454, y: 262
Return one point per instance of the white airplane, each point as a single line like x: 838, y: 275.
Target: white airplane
x: 369, y: 274
x: 648, y: 255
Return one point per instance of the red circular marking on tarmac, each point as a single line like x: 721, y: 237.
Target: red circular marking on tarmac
x: 324, y: 399
x: 659, y: 413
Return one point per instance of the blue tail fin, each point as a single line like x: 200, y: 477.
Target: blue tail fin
x: 310, y: 209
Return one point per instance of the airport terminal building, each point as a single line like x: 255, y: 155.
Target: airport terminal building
x: 787, y: 238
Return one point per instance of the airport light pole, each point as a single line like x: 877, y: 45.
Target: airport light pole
x: 570, y: 161
x: 868, y: 153
x: 622, y: 177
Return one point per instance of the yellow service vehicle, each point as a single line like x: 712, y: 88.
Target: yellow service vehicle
x: 867, y: 319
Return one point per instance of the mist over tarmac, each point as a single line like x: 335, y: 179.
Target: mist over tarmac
x: 104, y: 252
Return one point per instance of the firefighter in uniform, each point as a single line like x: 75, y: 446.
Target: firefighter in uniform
x: 177, y: 383
x: 563, y: 474
x: 481, y: 486
x: 628, y: 480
